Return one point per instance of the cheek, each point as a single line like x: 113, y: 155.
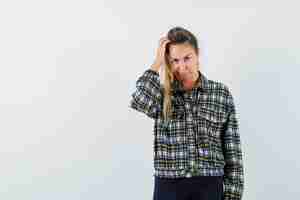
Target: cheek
x: 193, y: 67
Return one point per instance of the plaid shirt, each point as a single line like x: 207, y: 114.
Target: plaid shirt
x: 202, y: 136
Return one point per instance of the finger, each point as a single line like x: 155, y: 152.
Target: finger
x: 163, y: 39
x: 166, y: 42
x: 161, y: 42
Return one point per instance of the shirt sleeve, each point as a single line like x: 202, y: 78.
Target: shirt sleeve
x: 147, y: 98
x: 233, y: 169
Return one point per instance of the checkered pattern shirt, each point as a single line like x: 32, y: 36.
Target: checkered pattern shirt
x: 202, y: 136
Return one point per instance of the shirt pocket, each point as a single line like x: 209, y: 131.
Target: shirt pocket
x: 178, y: 113
x: 178, y: 109
x: 211, y: 125
x: 212, y: 121
x: 172, y: 144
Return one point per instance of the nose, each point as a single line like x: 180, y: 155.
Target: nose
x: 181, y: 67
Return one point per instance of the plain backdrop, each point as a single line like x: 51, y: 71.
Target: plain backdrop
x: 68, y: 69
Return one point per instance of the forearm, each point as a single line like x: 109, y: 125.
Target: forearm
x: 147, y: 97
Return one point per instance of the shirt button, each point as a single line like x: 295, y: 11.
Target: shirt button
x: 188, y: 174
x: 192, y: 163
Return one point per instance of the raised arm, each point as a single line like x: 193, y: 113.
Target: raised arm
x: 147, y: 97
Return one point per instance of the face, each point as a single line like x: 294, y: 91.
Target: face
x: 184, y: 62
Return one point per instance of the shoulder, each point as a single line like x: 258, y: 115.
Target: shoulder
x: 221, y: 91
x: 218, y: 86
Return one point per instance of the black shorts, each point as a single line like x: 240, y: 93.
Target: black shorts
x: 193, y: 188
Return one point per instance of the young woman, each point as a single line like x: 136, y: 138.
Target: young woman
x: 197, y: 147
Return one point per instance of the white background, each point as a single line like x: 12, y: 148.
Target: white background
x: 68, y: 69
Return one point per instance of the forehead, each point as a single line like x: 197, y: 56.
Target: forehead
x: 181, y: 50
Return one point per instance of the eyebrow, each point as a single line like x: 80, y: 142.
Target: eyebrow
x: 184, y: 56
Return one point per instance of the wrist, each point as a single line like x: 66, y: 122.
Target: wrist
x: 155, y: 67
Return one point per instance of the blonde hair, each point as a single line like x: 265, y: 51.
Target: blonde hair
x: 176, y: 35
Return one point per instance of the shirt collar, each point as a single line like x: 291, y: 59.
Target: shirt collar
x: 201, y: 83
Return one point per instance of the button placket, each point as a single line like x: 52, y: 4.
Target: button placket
x: 191, y: 139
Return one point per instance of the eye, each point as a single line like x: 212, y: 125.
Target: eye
x: 174, y: 61
x: 187, y: 58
